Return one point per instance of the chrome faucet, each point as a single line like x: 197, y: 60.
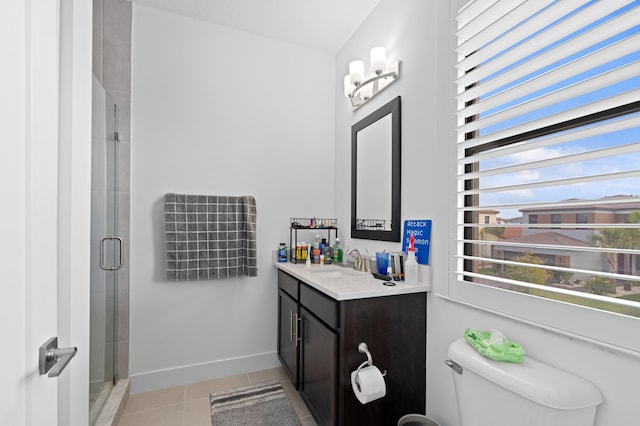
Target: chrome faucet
x: 360, y: 264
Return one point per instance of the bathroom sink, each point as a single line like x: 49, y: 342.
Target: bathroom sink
x: 330, y: 271
x: 330, y: 274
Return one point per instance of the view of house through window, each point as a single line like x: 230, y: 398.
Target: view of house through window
x: 549, y: 150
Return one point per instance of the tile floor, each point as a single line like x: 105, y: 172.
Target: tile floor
x: 188, y: 405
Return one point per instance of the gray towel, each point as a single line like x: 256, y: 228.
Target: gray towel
x: 210, y: 237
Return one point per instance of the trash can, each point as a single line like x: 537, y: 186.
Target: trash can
x: 416, y: 420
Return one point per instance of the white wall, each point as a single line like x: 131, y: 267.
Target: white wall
x: 418, y: 33
x: 221, y: 112
x: 402, y: 28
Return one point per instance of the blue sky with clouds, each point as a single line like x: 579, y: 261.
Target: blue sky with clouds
x: 614, y: 164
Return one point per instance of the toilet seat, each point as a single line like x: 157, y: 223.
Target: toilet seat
x: 418, y: 419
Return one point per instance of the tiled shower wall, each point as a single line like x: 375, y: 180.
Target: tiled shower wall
x: 112, y: 67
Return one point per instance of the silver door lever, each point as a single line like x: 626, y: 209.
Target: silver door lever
x: 53, y: 359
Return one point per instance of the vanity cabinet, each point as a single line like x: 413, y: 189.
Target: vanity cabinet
x: 308, y: 345
x: 329, y: 331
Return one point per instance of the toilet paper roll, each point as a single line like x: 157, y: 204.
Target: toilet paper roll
x: 370, y: 384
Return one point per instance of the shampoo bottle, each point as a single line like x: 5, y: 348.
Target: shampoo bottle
x: 411, y: 265
x: 337, y: 252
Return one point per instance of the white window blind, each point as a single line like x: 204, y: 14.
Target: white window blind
x: 548, y: 132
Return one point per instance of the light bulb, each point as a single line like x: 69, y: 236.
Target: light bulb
x: 384, y: 82
x: 348, y: 87
x: 378, y: 58
x: 366, y: 91
x: 394, y: 68
x: 356, y: 72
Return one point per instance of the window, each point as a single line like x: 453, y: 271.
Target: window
x: 549, y: 118
x: 582, y: 218
x: 487, y: 219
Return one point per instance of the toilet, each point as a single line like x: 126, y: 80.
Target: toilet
x: 528, y: 394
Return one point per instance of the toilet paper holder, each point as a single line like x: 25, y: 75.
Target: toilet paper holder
x: 363, y: 348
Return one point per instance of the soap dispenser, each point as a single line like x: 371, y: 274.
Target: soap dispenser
x: 411, y: 265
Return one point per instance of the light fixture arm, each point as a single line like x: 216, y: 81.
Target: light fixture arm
x: 373, y: 79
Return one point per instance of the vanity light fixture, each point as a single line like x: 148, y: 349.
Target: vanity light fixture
x: 358, y: 89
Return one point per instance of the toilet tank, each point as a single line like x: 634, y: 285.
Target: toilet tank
x: 528, y: 394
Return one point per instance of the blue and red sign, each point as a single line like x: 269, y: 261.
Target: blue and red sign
x: 421, y: 231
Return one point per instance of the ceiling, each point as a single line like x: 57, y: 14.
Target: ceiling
x: 325, y: 25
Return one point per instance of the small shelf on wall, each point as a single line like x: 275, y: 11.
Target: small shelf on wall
x: 313, y: 223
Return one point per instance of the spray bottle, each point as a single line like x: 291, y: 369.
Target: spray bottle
x: 411, y: 265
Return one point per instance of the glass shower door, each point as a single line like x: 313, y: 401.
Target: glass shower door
x: 106, y: 250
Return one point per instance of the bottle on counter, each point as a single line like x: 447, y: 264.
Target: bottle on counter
x: 301, y: 251
x: 328, y: 255
x: 316, y: 250
x: 337, y: 252
x: 411, y: 265
x: 282, y: 253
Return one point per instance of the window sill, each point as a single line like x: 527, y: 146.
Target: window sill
x: 607, y: 330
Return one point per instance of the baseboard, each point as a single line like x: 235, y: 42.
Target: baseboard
x: 159, y: 379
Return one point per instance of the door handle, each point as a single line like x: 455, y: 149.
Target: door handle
x: 294, y: 330
x: 119, y: 264
x: 299, y: 320
x: 291, y: 325
x: 53, y: 359
x: 297, y: 333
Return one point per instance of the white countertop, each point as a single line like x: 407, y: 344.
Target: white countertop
x: 346, y: 283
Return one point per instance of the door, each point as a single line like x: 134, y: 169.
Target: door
x: 288, y: 335
x: 106, y: 250
x: 45, y: 83
x: 319, y: 368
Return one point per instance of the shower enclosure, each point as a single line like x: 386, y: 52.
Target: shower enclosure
x: 106, y: 250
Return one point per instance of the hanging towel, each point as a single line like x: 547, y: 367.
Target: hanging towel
x: 210, y: 236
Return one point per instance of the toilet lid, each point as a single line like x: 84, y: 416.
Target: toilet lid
x: 534, y: 380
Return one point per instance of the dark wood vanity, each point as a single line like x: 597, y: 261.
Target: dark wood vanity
x: 318, y: 339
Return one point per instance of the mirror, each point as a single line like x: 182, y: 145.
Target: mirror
x: 375, y: 175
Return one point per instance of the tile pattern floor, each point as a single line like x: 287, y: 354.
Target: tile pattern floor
x: 188, y: 405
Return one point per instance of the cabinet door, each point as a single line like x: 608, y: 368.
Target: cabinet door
x: 288, y: 335
x: 319, y: 368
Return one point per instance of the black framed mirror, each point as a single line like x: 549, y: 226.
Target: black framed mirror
x: 375, y: 175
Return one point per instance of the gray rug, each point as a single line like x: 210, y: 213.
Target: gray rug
x: 264, y: 404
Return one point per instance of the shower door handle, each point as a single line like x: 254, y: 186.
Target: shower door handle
x: 119, y: 264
